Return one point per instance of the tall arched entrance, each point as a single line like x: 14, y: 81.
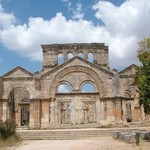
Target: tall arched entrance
x: 19, y: 106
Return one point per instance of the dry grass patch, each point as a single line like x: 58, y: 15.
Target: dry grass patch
x: 12, y: 141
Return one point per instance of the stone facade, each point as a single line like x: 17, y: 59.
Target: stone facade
x: 35, y: 99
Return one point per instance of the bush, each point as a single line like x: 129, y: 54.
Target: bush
x: 7, y: 129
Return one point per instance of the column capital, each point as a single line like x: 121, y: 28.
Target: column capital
x: 53, y: 99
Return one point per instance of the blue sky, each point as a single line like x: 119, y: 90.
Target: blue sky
x: 26, y: 24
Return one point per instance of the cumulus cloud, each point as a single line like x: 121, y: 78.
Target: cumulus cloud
x: 123, y: 26
x: 6, y: 19
x: 76, y: 12
x: 126, y: 24
x: 26, y: 39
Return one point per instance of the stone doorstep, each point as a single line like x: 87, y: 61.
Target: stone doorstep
x: 117, y: 133
x: 63, y: 134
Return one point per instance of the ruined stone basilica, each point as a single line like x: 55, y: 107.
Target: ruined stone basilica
x: 75, y: 87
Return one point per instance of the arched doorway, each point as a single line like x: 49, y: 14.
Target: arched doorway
x: 25, y: 112
x: 19, y: 106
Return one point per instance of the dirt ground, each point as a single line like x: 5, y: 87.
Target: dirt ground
x: 100, y: 143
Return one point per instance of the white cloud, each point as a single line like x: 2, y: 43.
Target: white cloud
x: 66, y: 0
x: 6, y: 19
x: 77, y: 12
x: 26, y: 39
x: 69, y: 3
x: 123, y: 27
x: 126, y: 24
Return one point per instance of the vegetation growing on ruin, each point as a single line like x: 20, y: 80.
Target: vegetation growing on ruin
x: 143, y: 74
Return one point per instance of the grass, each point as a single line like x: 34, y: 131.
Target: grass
x: 12, y: 141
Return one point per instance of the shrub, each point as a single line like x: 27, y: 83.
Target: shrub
x: 7, y: 129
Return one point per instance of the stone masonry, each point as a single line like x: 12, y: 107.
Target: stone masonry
x: 55, y: 96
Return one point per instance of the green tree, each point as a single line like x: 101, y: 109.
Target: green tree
x: 143, y: 74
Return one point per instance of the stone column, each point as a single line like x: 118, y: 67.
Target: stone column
x: 98, y: 111
x: 124, y: 112
x: 73, y: 104
x: 4, y: 109
x: 75, y: 53
x: 32, y: 114
x: 36, y: 113
x: 110, y: 111
x: 102, y: 110
x: 18, y: 115
x: 85, y: 55
x: 65, y: 56
x: 45, y: 113
x: 1, y: 110
x: 118, y: 111
x: 52, y: 110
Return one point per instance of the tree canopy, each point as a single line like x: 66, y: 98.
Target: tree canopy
x: 143, y: 74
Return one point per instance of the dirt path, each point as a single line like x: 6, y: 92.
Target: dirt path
x: 101, y: 143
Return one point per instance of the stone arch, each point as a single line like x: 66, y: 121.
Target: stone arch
x: 127, y: 93
x: 129, y: 89
x: 88, y: 82
x: 62, y: 73
x: 29, y: 88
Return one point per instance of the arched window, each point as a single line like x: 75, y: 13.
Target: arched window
x: 70, y: 55
x: 88, y: 87
x: 60, y: 59
x: 90, y: 57
x: 64, y: 88
x: 80, y: 55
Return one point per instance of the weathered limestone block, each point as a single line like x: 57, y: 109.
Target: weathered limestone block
x: 120, y: 136
x: 148, y: 136
x: 127, y: 138
x: 132, y: 138
x: 144, y: 135
x: 115, y: 134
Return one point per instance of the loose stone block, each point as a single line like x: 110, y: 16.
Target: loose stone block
x: 115, y: 134
x: 144, y: 135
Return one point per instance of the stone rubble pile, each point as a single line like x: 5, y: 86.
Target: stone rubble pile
x: 130, y: 137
